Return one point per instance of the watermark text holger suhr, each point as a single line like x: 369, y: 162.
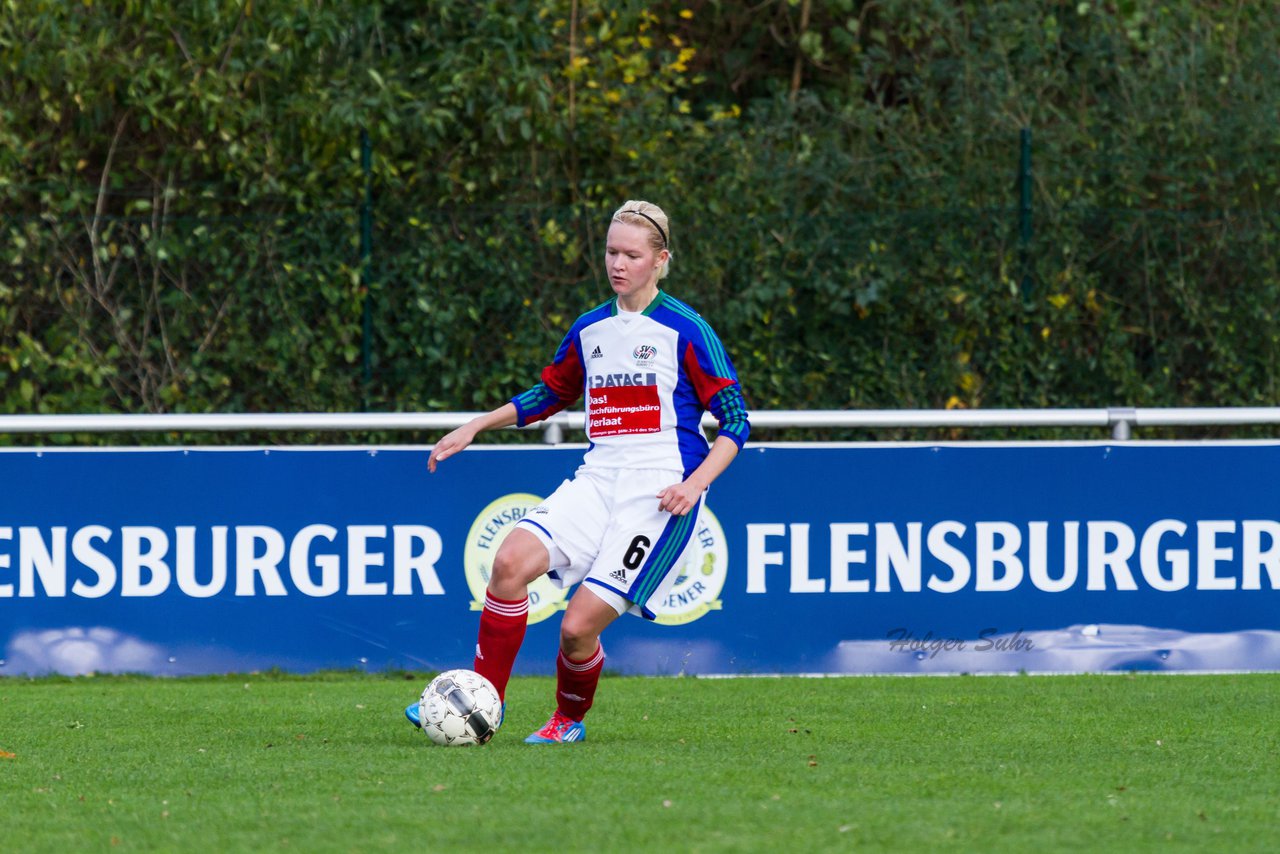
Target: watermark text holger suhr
x: 989, y: 640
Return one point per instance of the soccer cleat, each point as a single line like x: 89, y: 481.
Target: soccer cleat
x: 559, y: 730
x: 411, y: 712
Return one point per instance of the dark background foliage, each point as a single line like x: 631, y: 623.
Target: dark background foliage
x: 184, y: 189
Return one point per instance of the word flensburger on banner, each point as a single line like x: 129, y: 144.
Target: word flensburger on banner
x: 148, y: 561
x: 813, y: 559
x: 1006, y: 555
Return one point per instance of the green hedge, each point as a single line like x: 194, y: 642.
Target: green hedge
x: 181, y: 192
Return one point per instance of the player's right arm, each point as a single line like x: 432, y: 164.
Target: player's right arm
x: 561, y: 386
x: 503, y: 416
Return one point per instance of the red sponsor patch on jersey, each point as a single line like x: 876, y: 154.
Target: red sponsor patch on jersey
x: 616, y: 410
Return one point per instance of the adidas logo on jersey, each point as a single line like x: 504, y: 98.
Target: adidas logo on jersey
x: 596, y: 354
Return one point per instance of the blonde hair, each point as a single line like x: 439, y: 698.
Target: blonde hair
x: 650, y: 216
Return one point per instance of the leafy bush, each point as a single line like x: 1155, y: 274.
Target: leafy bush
x: 182, y: 189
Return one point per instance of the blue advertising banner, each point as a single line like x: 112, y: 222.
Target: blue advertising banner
x: 812, y: 559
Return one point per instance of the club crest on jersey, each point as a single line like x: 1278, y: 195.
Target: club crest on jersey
x: 703, y: 569
x: 645, y: 354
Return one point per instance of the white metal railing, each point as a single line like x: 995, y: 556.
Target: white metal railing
x: 1119, y: 420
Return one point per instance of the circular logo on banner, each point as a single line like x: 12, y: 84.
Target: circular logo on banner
x: 702, y: 573
x: 487, y: 533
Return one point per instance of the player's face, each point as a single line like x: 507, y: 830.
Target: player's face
x: 630, y: 261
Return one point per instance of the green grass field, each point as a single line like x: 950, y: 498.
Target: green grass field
x: 327, y: 763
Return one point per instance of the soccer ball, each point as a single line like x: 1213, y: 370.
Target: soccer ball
x: 460, y: 707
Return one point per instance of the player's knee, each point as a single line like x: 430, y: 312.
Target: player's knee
x: 578, y: 635
x: 510, y: 568
x: 518, y: 562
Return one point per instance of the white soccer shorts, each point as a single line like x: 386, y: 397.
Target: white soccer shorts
x: 604, y: 529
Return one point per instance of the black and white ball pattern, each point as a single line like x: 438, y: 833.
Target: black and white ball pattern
x: 460, y: 707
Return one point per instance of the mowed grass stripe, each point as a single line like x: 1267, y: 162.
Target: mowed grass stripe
x: 1110, y: 763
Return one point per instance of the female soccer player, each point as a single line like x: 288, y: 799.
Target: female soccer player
x: 649, y: 367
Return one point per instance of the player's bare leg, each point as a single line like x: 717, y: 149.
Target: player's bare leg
x: 584, y: 621
x: 578, y: 667
x: 521, y: 559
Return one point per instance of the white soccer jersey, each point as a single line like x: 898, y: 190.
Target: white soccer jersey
x: 647, y: 379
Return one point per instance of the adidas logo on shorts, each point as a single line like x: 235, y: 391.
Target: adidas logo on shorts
x: 619, y: 575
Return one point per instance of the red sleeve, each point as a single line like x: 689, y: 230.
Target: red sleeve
x: 565, y: 376
x: 561, y: 385
x: 705, y: 385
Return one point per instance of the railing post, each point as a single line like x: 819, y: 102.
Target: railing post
x: 366, y: 253
x: 553, y: 433
x: 1122, y: 420
x: 1024, y: 213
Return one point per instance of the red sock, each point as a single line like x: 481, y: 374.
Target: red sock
x: 502, y: 626
x: 576, y: 683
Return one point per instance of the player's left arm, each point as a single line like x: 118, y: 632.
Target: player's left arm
x: 715, y: 381
x: 679, y: 498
